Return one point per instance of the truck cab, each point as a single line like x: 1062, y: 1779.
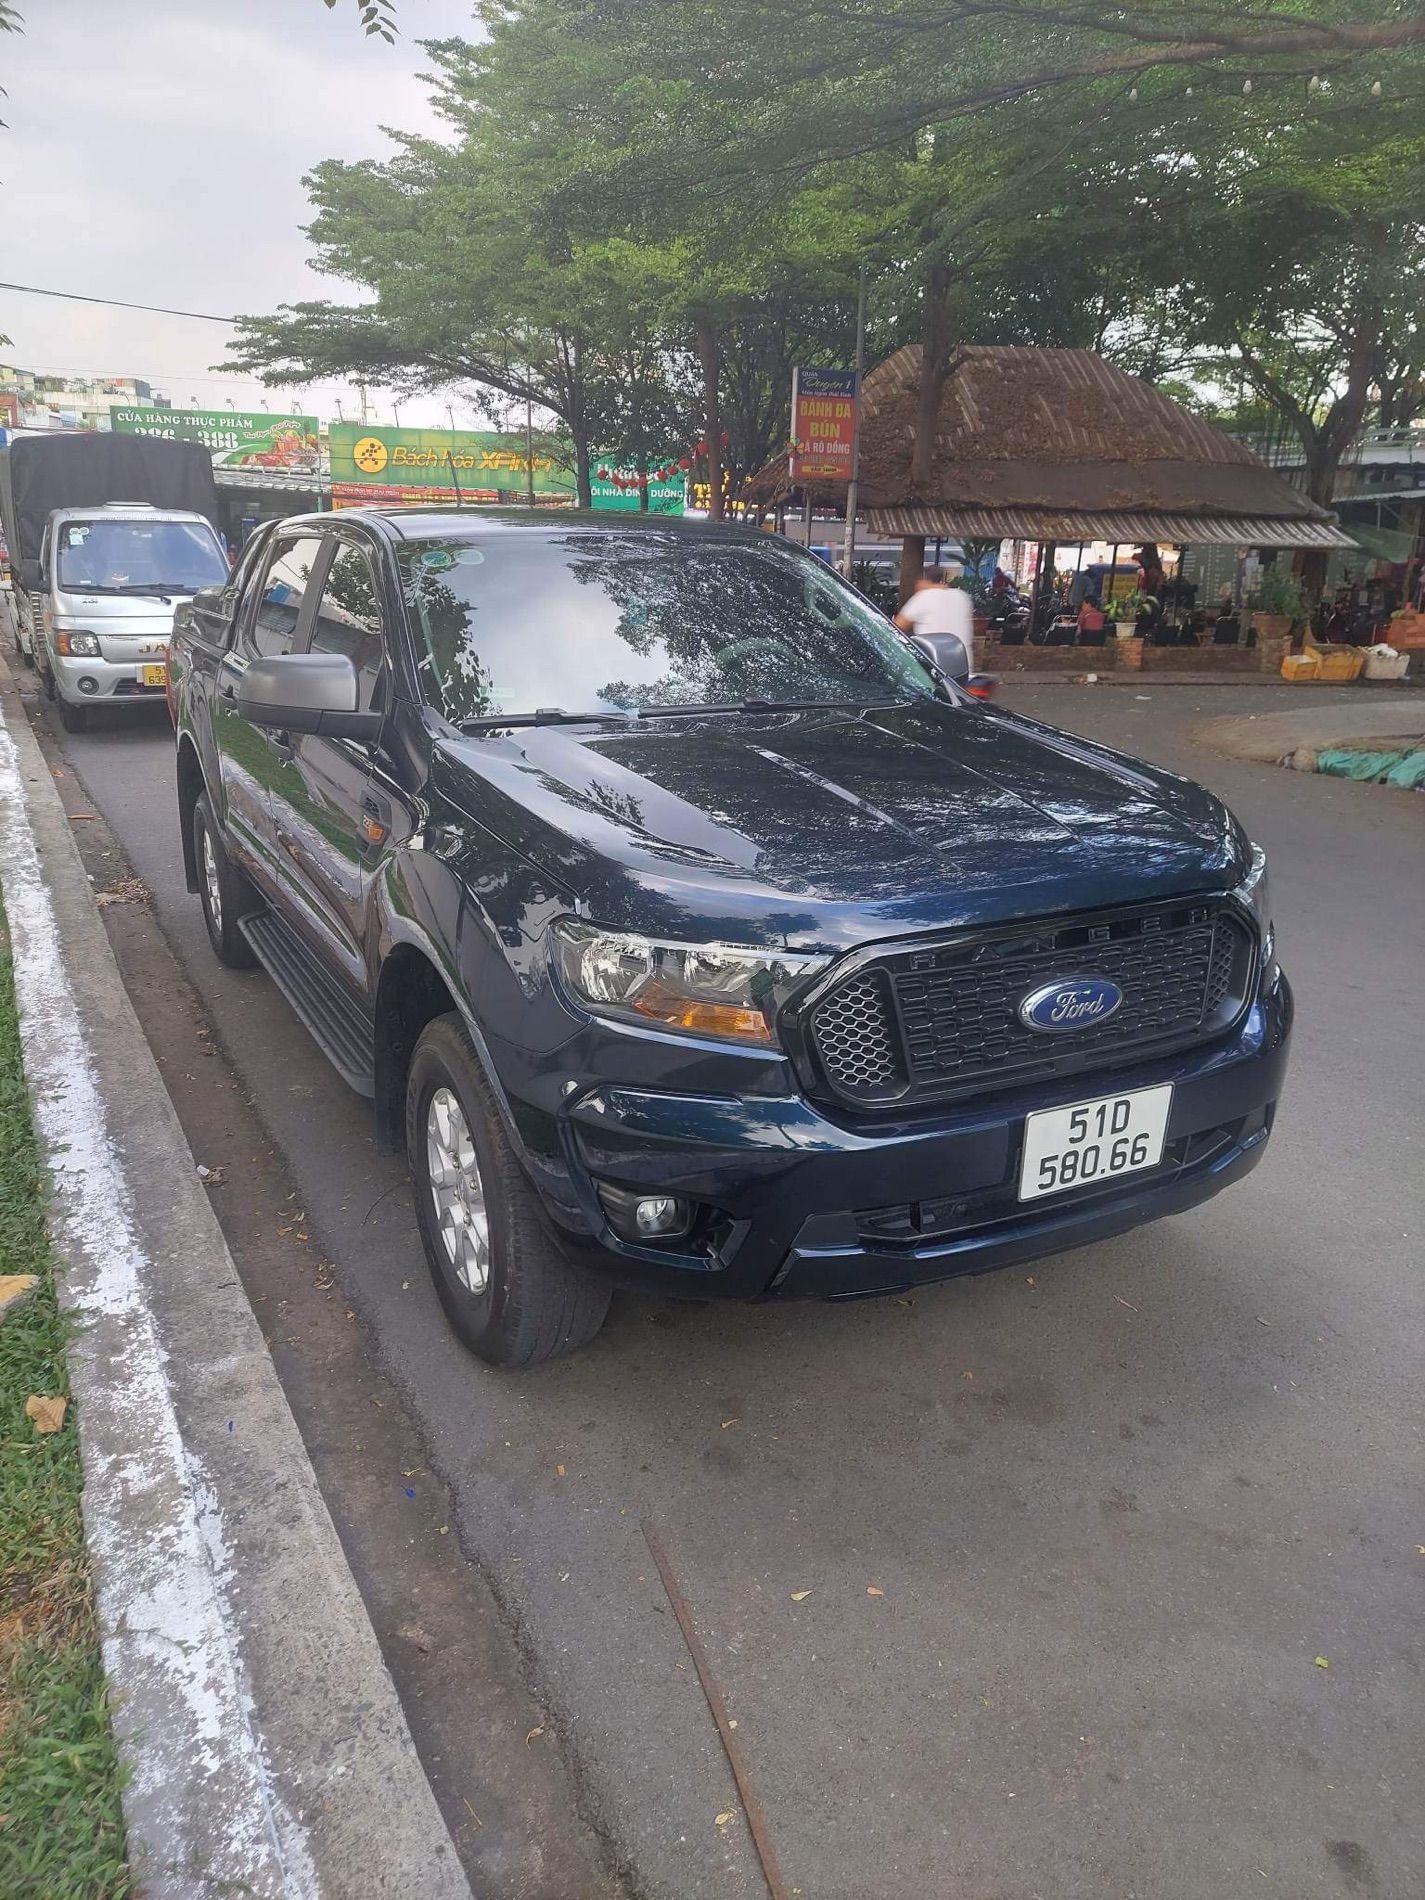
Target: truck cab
x: 106, y: 584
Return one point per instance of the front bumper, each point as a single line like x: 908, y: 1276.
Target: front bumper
x: 112, y: 679
x: 812, y: 1206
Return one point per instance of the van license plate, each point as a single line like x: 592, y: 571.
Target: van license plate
x: 1093, y: 1141
x: 154, y: 675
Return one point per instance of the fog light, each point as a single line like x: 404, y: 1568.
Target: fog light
x: 88, y: 684
x: 646, y: 1216
x: 660, y: 1214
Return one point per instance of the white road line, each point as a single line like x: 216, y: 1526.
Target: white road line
x: 169, y: 1623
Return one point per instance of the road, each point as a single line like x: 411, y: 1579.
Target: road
x: 1096, y: 1579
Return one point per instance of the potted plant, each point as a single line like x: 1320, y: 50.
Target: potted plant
x: 1125, y: 610
x: 1277, y: 602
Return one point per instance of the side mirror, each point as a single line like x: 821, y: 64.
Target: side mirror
x: 945, y: 651
x: 207, y: 600
x: 32, y: 576
x: 306, y: 692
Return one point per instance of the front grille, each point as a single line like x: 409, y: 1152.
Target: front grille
x: 931, y: 1020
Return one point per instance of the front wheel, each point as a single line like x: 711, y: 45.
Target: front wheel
x: 222, y: 891
x: 507, y: 1289
x: 74, y: 718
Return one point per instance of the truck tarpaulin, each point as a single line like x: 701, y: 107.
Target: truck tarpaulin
x: 46, y: 472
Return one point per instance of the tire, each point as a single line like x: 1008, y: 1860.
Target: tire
x: 72, y: 717
x: 223, y: 891
x: 533, y: 1303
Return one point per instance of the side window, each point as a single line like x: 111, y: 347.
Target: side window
x: 284, y: 588
x: 242, y: 589
x: 348, y: 620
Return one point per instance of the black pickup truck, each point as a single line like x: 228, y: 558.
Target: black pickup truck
x: 692, y: 930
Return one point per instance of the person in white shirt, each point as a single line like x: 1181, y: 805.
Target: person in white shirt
x: 937, y: 606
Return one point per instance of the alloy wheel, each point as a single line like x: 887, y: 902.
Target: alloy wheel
x: 212, y: 884
x: 457, y: 1192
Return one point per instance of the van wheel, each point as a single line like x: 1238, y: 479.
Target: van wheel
x: 72, y: 717
x: 507, y: 1289
x: 223, y: 892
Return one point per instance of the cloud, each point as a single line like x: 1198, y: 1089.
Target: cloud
x: 155, y: 153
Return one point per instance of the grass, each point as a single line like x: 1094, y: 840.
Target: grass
x: 61, y: 1829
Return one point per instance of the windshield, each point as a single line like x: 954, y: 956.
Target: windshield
x: 134, y: 557
x: 603, y: 621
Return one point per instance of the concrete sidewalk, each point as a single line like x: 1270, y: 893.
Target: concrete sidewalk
x: 267, y: 1750
x: 1274, y: 736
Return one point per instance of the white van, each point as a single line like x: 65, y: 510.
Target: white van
x: 108, y: 582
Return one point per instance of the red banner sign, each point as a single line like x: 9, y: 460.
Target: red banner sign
x: 823, y: 424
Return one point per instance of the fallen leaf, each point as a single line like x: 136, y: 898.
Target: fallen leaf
x: 967, y: 1375
x: 533, y: 1734
x: 1321, y: 1663
x: 728, y: 1814
x: 730, y: 1421
x: 559, y: 1471
x: 16, y: 1291
x: 800, y: 1596
x: 732, y: 1725
x: 1029, y: 1279
x: 48, y: 1414
x: 872, y: 1591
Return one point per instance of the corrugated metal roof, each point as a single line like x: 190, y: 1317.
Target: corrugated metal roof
x: 1128, y: 530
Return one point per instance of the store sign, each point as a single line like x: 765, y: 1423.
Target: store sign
x: 236, y: 438
x: 618, y: 489
x: 823, y: 424
x: 376, y: 465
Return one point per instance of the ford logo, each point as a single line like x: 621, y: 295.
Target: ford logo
x: 1075, y: 1002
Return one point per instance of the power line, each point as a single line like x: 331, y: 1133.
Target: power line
x: 117, y: 303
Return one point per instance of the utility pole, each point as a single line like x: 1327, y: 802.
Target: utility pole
x: 361, y: 392
x: 848, y: 553
x: 529, y: 446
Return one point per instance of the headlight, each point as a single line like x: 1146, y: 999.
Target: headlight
x: 77, y: 646
x: 709, y: 989
x: 1254, y: 892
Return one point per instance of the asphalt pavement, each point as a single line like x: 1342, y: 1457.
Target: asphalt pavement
x: 1095, y: 1578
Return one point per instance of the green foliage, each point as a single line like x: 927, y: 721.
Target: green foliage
x: 63, y: 1836
x: 1278, y: 593
x: 632, y: 195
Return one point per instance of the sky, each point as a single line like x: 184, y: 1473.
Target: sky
x: 153, y: 150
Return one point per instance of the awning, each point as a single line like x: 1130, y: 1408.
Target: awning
x: 289, y: 481
x: 952, y: 522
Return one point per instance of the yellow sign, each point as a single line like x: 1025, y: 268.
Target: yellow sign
x: 370, y: 455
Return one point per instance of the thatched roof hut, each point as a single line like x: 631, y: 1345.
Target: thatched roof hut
x: 1058, y: 445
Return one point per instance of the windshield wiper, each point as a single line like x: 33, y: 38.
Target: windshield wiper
x: 766, y: 706
x: 543, y: 716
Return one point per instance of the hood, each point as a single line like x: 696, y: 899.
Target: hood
x: 826, y: 829
x: 118, y: 611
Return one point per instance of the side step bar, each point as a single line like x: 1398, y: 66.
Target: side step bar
x: 340, y: 1027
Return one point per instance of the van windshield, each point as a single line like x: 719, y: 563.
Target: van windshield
x: 139, y: 557
x: 643, y: 621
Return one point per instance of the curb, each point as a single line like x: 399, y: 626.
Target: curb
x: 267, y: 1752
x: 1267, y: 738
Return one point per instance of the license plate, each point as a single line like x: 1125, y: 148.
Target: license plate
x: 154, y: 675
x: 1093, y: 1141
